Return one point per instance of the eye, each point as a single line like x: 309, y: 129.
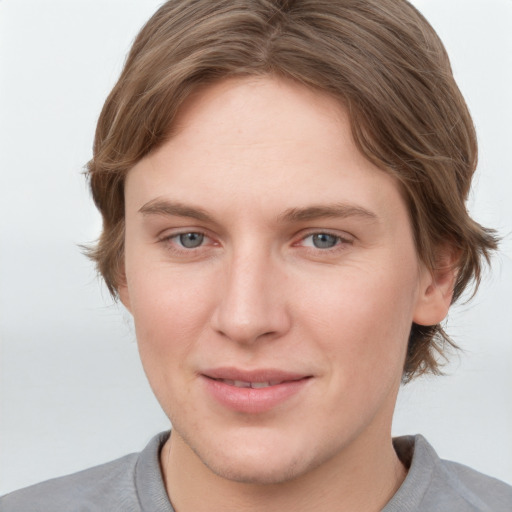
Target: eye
x: 321, y: 240
x: 188, y: 245
x: 190, y: 240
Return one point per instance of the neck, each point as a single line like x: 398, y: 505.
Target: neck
x: 363, y: 477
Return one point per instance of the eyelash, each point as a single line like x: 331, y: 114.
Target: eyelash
x: 171, y: 241
x: 341, y: 241
x: 173, y: 245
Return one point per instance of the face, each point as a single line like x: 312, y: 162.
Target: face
x: 272, y: 276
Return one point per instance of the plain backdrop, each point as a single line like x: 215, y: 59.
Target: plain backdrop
x: 73, y: 393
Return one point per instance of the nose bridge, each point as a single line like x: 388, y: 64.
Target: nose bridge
x: 250, y: 305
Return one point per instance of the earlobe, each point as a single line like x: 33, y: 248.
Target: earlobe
x: 436, y: 292
x: 124, y: 296
x: 122, y: 289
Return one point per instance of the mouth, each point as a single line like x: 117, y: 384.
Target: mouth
x: 254, y: 385
x: 256, y: 379
x: 256, y: 391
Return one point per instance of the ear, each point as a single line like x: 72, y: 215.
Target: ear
x: 122, y: 289
x: 436, y: 288
x: 124, y: 295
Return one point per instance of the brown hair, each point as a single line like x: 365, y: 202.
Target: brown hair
x: 381, y: 58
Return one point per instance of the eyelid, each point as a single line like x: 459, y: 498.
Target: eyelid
x: 167, y: 233
x: 343, y: 236
x: 344, y: 241
x: 168, y: 236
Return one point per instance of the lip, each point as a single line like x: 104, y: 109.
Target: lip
x: 283, y: 386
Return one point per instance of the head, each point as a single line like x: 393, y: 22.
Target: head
x: 380, y: 60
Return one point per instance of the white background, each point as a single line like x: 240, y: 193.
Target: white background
x: 73, y: 393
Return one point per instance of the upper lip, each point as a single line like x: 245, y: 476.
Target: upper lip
x: 254, y: 375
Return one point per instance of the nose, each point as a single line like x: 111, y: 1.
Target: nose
x: 252, y: 301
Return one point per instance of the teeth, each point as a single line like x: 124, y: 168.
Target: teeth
x: 241, y: 384
x: 244, y: 384
x: 260, y: 385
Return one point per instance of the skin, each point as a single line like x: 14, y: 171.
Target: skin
x: 256, y: 168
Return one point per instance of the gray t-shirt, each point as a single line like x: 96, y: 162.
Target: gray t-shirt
x: 134, y: 484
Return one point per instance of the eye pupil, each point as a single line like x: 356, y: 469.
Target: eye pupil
x: 191, y: 240
x: 324, y: 240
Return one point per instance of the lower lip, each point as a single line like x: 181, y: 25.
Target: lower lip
x: 253, y: 400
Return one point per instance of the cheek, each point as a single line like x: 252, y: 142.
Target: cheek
x: 168, y: 321
x: 364, y: 320
x: 170, y: 314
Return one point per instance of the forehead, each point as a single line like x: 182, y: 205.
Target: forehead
x: 261, y: 142
x: 245, y: 103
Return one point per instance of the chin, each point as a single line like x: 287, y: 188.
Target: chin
x: 259, y: 458
x: 257, y: 471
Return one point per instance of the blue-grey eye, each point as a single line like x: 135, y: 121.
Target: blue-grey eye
x: 191, y: 240
x: 324, y: 240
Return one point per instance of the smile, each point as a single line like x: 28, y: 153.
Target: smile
x: 245, y: 384
x: 253, y: 392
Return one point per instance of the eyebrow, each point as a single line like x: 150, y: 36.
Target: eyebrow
x: 174, y: 209
x: 165, y: 207
x: 338, y: 210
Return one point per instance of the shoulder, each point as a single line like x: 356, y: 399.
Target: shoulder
x: 113, y: 486
x: 436, y: 484
x: 479, y: 491
x: 104, y: 487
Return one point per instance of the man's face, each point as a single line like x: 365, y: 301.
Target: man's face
x: 273, y: 280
